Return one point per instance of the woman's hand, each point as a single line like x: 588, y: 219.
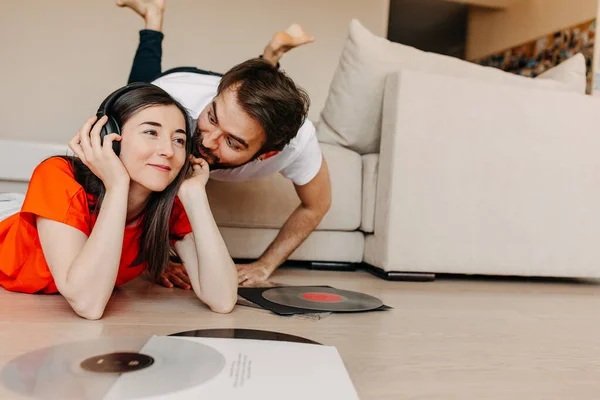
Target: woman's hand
x: 199, y: 176
x: 99, y: 157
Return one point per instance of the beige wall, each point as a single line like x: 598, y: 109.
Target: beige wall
x: 491, y: 31
x: 60, y: 58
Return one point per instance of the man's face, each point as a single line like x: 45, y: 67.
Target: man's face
x: 226, y: 136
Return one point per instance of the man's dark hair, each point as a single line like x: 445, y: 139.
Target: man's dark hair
x: 270, y: 97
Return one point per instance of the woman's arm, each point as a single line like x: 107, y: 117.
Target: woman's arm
x: 85, y: 269
x: 206, y: 259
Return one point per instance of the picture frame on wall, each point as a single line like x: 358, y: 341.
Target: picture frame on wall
x: 539, y: 55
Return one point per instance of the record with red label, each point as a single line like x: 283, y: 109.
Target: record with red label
x: 323, y: 299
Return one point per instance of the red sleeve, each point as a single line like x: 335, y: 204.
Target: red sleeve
x: 53, y: 193
x: 179, y: 225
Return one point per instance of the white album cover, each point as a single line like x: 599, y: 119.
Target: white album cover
x: 169, y: 368
x: 257, y: 370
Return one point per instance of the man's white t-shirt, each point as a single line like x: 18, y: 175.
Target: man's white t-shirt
x: 299, y: 161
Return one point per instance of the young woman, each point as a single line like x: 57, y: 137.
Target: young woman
x: 98, y: 220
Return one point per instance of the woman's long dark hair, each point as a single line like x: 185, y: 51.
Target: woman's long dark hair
x: 154, y: 242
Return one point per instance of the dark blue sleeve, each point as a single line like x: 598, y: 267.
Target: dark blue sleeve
x: 147, y: 61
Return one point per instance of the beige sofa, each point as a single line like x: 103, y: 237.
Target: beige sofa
x: 441, y: 166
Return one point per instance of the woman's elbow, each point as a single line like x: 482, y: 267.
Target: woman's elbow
x: 87, y: 304
x: 87, y: 309
x: 223, y: 305
x: 222, y: 308
x: 90, y: 314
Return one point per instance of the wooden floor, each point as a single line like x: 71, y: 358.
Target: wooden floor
x: 449, y: 339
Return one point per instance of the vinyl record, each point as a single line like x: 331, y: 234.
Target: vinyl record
x: 254, y: 295
x: 113, y: 368
x: 252, y: 334
x: 321, y: 298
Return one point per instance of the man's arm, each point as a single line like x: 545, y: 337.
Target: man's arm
x: 315, y: 199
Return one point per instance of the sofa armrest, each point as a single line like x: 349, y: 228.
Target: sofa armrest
x: 481, y: 178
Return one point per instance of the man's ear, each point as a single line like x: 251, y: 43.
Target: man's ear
x: 267, y: 155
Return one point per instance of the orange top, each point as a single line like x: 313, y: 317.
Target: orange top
x: 54, y: 194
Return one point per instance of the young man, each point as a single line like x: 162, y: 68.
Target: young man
x: 250, y: 123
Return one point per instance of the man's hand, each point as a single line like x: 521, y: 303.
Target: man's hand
x: 253, y: 274
x: 175, y: 275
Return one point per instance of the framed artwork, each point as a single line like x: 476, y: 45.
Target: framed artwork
x: 534, y: 57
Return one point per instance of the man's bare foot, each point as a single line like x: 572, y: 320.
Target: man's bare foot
x: 151, y: 10
x: 282, y: 42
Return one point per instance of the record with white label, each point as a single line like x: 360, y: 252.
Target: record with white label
x: 113, y: 368
x: 320, y: 298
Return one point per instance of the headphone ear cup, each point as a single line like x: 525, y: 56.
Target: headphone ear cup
x: 111, y: 126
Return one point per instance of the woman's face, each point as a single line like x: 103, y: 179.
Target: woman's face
x: 153, y: 146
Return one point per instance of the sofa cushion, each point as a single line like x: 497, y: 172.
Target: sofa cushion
x: 352, y: 113
x: 369, y: 194
x: 328, y: 246
x: 268, y: 202
x: 572, y: 72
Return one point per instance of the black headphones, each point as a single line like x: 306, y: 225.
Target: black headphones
x: 111, y: 125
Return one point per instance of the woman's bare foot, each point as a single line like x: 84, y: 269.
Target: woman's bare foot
x: 282, y: 42
x: 151, y: 10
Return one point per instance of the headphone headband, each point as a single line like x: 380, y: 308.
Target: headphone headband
x: 111, y: 98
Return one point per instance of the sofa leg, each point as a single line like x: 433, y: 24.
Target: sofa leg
x: 334, y: 266
x: 316, y: 265
x: 398, y: 275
